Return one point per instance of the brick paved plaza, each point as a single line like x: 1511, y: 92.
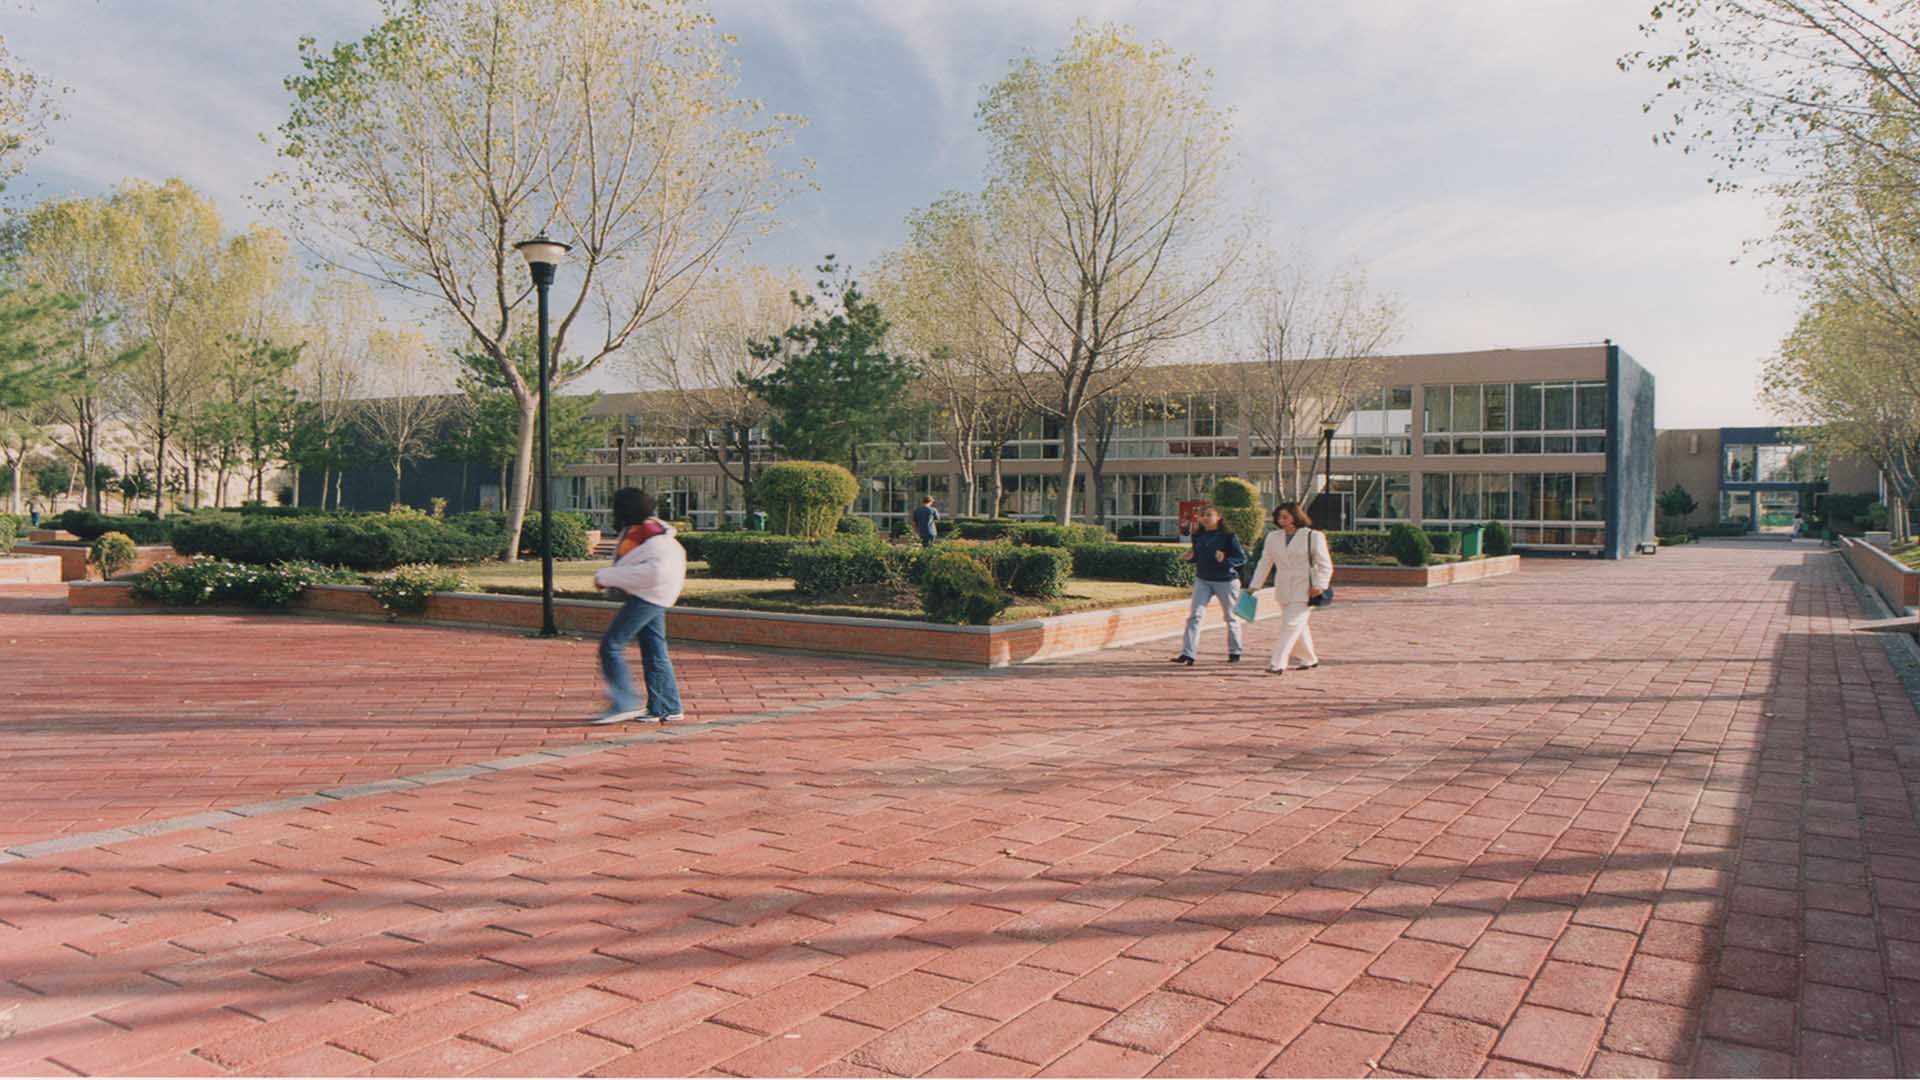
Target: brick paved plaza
x: 1642, y: 818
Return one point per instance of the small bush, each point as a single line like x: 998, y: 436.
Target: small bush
x: 1148, y: 564
x: 1410, y: 544
x: 12, y: 527
x: 1239, y: 504
x: 957, y: 588
x: 141, y: 528
x: 217, y: 581
x: 569, y: 532
x: 1443, y: 542
x: 406, y: 588
x: 1359, y: 542
x: 804, y: 498
x: 1675, y: 540
x: 1040, y: 572
x: 749, y: 555
x: 855, y: 525
x: 113, y: 554
x: 360, y: 541
x: 1498, y: 539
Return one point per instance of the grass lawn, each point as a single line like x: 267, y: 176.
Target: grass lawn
x: 575, y: 579
x: 1908, y: 554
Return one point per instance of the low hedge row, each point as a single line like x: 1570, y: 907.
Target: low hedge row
x: 569, y: 531
x: 362, y: 542
x: 1148, y: 564
x: 744, y: 554
x: 139, y: 528
x: 1031, y: 533
x: 833, y: 565
x: 218, y: 581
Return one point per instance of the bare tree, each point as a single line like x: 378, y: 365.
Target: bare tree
x: 420, y: 155
x: 699, y: 354
x: 1312, y: 348
x: 1104, y: 200
x: 412, y: 401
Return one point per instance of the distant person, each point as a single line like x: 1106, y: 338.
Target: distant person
x: 926, y: 521
x: 1296, y: 555
x: 649, y: 569
x: 1217, y: 557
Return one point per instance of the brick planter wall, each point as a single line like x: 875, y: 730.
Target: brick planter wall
x: 995, y: 646
x: 48, y: 536
x: 29, y: 570
x: 1425, y: 577
x: 1897, y: 585
x: 73, y: 558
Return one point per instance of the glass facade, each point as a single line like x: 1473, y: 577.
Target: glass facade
x: 1543, y: 509
x: 1515, y: 418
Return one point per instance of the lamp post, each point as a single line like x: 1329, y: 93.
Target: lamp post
x: 543, y: 257
x: 1327, y: 427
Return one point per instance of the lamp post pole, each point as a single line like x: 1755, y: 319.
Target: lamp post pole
x: 543, y: 256
x: 1327, y: 428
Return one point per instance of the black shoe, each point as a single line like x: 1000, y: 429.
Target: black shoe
x: 1183, y: 658
x: 1233, y: 658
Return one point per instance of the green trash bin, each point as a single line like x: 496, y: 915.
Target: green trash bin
x: 757, y: 521
x: 1470, y: 540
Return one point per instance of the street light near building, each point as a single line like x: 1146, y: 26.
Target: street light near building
x: 543, y: 258
x: 1327, y: 428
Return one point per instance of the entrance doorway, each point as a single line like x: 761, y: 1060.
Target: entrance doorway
x: 1777, y: 511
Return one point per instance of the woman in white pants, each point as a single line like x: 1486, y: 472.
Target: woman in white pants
x: 1296, y: 555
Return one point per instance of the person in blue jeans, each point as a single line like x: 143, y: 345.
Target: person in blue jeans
x: 649, y: 570
x: 1217, y: 557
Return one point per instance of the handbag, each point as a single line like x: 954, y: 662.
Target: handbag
x: 1326, y: 595
x: 1248, y: 607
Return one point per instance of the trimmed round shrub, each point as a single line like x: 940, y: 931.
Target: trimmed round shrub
x: 1148, y: 564
x: 804, y: 498
x: 113, y: 554
x: 855, y: 525
x: 1409, y: 544
x: 748, y: 555
x: 1027, y: 571
x: 1444, y: 541
x: 957, y: 588
x: 1239, y: 504
x: 1498, y: 539
x: 11, y: 528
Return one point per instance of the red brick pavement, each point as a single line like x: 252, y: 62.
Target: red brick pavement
x: 124, y: 719
x: 1610, y: 819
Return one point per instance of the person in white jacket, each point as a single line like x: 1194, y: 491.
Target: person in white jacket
x: 649, y: 569
x: 1296, y: 554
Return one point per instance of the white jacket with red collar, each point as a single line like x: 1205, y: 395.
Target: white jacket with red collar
x: 654, y: 571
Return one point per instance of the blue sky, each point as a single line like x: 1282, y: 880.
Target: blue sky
x: 1484, y: 160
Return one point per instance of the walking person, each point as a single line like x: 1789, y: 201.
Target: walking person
x: 926, y: 521
x: 1302, y: 568
x: 649, y: 569
x: 1217, y: 557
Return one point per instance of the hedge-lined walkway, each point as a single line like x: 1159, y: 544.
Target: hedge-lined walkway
x: 1615, y: 819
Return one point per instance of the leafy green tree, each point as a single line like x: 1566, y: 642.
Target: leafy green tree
x: 1674, y: 505
x: 836, y: 391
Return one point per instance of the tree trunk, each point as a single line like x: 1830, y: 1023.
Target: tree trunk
x: 13, y: 498
x: 1069, y: 467
x: 523, y: 476
x: 399, y: 463
x: 294, y: 468
x: 160, y: 475
x: 339, y: 481
x: 999, y: 478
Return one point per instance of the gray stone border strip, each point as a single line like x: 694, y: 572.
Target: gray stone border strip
x: 1903, y: 650
x: 451, y: 774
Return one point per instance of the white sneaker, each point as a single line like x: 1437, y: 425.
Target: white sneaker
x: 670, y: 718
x: 612, y: 716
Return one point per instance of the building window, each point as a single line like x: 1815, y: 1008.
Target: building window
x: 1739, y: 465
x: 1737, y: 506
x: 1436, y: 497
x: 1516, y: 418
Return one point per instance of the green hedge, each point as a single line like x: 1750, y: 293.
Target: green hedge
x: 12, y: 527
x: 748, y: 555
x: 1443, y: 541
x: 1148, y: 564
x: 1238, y: 501
x: 834, y: 565
x: 1725, y: 528
x: 217, y: 581
x: 88, y: 525
x: 361, y: 541
x: 855, y: 525
x: 1849, y: 507
x: 1031, y: 533
x: 569, y: 531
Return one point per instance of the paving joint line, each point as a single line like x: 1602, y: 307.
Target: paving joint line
x: 449, y: 774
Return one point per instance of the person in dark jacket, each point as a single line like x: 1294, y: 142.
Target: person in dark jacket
x: 1217, y: 557
x: 926, y: 521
